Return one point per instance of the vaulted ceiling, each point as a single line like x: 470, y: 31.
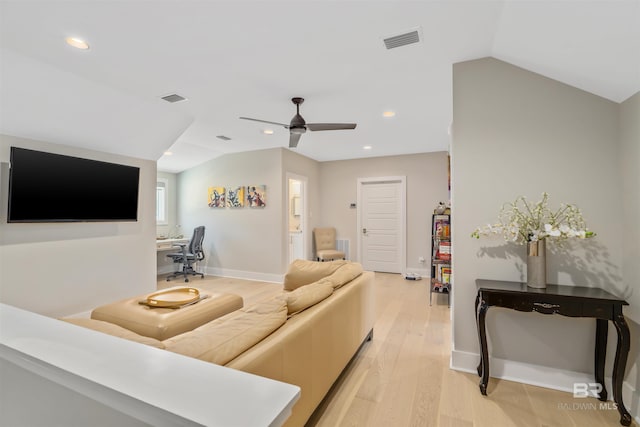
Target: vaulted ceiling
x: 249, y: 58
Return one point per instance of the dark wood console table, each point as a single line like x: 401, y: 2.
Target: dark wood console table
x: 572, y: 301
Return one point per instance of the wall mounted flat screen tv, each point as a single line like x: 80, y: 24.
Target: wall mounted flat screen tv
x: 46, y: 187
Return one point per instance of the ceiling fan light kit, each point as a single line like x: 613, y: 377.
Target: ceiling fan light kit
x: 298, y: 126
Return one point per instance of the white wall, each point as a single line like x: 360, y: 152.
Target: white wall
x: 57, y: 405
x: 60, y: 269
x: 164, y: 263
x: 518, y: 133
x: 169, y: 229
x: 426, y: 186
x: 244, y: 242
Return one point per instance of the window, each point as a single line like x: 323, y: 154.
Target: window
x: 161, y: 201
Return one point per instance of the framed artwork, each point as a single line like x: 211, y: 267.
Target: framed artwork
x: 257, y: 196
x: 216, y: 197
x: 235, y: 197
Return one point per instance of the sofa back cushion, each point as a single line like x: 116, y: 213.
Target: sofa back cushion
x: 221, y: 340
x: 344, y: 274
x: 302, y: 272
x: 112, y: 329
x: 306, y: 296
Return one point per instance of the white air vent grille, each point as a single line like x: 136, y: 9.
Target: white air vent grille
x: 224, y: 138
x: 342, y: 245
x: 174, y: 97
x: 402, y: 39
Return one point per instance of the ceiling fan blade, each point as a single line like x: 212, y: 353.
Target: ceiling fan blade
x: 293, y: 139
x: 330, y: 126
x: 265, y: 121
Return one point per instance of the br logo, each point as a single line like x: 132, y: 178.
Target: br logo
x: 586, y: 389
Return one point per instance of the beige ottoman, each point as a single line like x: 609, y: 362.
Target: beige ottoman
x: 163, y: 323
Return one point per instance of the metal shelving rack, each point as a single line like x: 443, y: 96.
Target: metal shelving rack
x: 441, y: 270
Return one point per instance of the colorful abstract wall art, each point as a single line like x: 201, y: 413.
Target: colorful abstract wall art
x: 216, y: 197
x: 257, y: 196
x: 235, y: 197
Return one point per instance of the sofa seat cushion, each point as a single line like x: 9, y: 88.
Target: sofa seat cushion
x: 302, y: 272
x: 221, y: 340
x: 306, y: 296
x: 115, y: 330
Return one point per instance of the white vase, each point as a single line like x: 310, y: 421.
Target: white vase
x: 537, y: 264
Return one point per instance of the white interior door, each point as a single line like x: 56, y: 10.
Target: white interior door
x: 382, y: 224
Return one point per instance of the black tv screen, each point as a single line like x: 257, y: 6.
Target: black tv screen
x: 46, y: 187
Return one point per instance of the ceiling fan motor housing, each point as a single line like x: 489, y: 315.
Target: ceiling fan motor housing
x: 297, y: 122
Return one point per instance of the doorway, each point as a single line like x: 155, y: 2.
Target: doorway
x: 382, y: 223
x: 297, y: 217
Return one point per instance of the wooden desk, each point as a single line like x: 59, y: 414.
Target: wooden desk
x: 571, y: 301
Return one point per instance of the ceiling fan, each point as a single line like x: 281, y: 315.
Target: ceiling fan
x: 298, y: 126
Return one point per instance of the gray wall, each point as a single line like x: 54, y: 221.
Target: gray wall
x: 237, y: 241
x: 309, y: 168
x: 518, y: 133
x: 630, y: 168
x: 253, y: 242
x: 60, y: 269
x: 426, y: 186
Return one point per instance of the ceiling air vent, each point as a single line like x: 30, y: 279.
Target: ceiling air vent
x: 174, y: 97
x: 402, y: 39
x: 224, y: 138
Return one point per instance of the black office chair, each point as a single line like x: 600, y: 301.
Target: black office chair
x: 189, y: 255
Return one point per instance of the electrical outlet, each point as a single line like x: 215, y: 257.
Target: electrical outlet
x: 421, y: 259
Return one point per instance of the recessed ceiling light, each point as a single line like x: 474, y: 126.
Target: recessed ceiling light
x: 268, y: 131
x: 367, y: 147
x: 389, y: 113
x: 77, y: 43
x: 168, y: 153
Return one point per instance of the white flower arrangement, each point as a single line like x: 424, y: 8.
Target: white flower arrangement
x: 522, y: 222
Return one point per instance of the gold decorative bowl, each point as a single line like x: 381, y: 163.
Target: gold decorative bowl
x: 173, y: 297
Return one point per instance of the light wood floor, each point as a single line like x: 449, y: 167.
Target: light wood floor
x: 402, y: 377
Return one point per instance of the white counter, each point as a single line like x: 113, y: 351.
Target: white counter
x: 167, y: 244
x: 148, y: 385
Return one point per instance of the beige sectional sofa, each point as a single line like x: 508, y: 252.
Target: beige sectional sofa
x: 306, y: 336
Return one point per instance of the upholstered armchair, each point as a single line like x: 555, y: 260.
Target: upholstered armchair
x: 325, y: 243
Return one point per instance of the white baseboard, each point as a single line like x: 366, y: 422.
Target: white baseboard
x: 248, y: 275
x: 542, y: 376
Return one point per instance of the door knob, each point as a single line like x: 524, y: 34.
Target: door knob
x: 364, y: 231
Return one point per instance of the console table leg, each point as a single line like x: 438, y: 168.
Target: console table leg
x: 602, y: 326
x: 479, y: 368
x: 481, y: 313
x: 619, y: 366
